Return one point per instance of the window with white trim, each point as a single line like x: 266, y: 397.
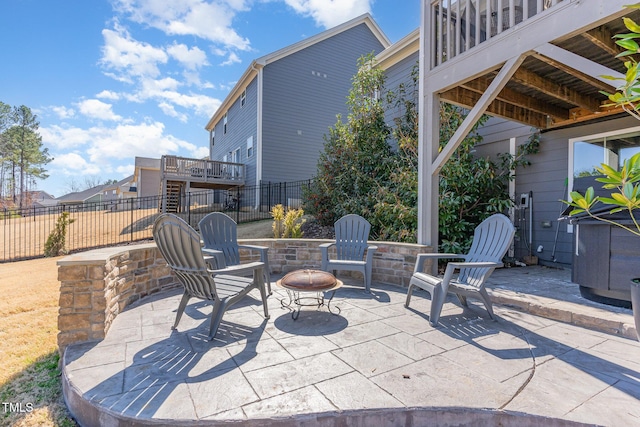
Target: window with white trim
x: 250, y: 146
x: 243, y: 98
x: 224, y: 124
x: 588, y: 152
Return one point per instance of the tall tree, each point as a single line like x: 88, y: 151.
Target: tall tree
x: 5, y: 121
x: 24, y: 156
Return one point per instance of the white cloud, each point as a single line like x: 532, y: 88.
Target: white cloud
x: 64, y: 138
x: 329, y: 13
x: 96, y: 109
x: 74, y: 164
x: 108, y: 94
x: 125, y: 170
x: 64, y: 112
x: 125, y: 141
x: 170, y: 111
x: 209, y: 20
x: 127, y: 58
x: 232, y: 59
x: 192, y: 59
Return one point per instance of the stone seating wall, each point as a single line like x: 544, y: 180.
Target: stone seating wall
x: 97, y: 285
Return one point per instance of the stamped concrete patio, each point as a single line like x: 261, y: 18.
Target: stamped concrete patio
x: 375, y: 363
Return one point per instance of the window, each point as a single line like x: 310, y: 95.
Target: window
x: 224, y: 124
x: 250, y: 146
x: 243, y: 98
x: 588, y: 152
x: 612, y: 150
x: 235, y: 155
x: 235, y: 158
x: 213, y: 137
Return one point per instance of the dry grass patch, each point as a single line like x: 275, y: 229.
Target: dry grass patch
x: 28, y: 348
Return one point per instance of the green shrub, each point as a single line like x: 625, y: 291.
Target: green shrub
x: 287, y: 223
x: 359, y: 173
x: 55, y: 244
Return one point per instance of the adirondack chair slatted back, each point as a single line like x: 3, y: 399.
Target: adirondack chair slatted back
x: 179, y: 244
x: 491, y: 240
x: 219, y: 231
x: 352, y: 233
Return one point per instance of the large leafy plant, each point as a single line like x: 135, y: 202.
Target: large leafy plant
x: 627, y: 94
x: 625, y: 181
x: 626, y: 196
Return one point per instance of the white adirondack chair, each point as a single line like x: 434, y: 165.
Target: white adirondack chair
x: 352, y: 233
x: 220, y: 235
x: 491, y: 240
x: 180, y: 246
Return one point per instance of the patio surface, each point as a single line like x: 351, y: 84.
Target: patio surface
x: 374, y: 363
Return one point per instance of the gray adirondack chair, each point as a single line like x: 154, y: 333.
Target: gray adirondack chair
x: 220, y: 235
x: 180, y: 246
x: 352, y: 233
x: 491, y: 240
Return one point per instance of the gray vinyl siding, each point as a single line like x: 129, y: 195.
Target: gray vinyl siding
x: 241, y: 124
x: 545, y: 179
x: 302, y: 95
x: 396, y: 75
x: 149, y: 185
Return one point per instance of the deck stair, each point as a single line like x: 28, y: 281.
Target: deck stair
x: 172, y: 198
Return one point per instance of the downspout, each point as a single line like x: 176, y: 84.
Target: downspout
x: 258, y: 133
x: 512, y: 191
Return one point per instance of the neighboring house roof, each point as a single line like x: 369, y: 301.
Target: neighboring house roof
x: 402, y: 49
x: 125, y: 183
x: 81, y: 196
x: 255, y: 65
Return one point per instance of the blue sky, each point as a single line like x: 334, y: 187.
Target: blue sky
x: 114, y: 79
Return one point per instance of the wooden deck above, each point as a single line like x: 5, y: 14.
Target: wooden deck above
x: 199, y: 173
x: 568, y: 47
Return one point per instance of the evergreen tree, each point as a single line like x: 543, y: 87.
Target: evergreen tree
x: 23, y: 155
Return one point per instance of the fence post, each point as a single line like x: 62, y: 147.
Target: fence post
x: 131, y: 226
x: 286, y: 199
x: 189, y: 208
x: 237, y: 205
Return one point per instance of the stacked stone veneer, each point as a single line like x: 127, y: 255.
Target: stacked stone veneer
x: 97, y: 285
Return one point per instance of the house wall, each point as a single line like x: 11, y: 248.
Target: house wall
x: 303, y: 93
x: 241, y: 125
x: 545, y: 179
x: 149, y: 183
x: 400, y: 74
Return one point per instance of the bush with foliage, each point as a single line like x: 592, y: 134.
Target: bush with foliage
x: 287, y: 223
x: 357, y: 159
x: 56, y: 242
x: 358, y: 171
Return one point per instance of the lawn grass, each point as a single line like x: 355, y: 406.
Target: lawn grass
x: 28, y: 349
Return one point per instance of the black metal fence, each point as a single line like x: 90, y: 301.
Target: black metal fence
x: 24, y: 232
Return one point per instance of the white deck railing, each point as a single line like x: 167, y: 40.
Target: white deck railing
x: 182, y: 168
x: 460, y: 25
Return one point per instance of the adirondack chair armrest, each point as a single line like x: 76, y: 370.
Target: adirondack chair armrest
x: 324, y: 249
x: 253, y: 247
x: 421, y: 258
x: 239, y: 269
x: 479, y: 264
x: 261, y: 249
x: 215, y: 256
x: 371, y: 249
